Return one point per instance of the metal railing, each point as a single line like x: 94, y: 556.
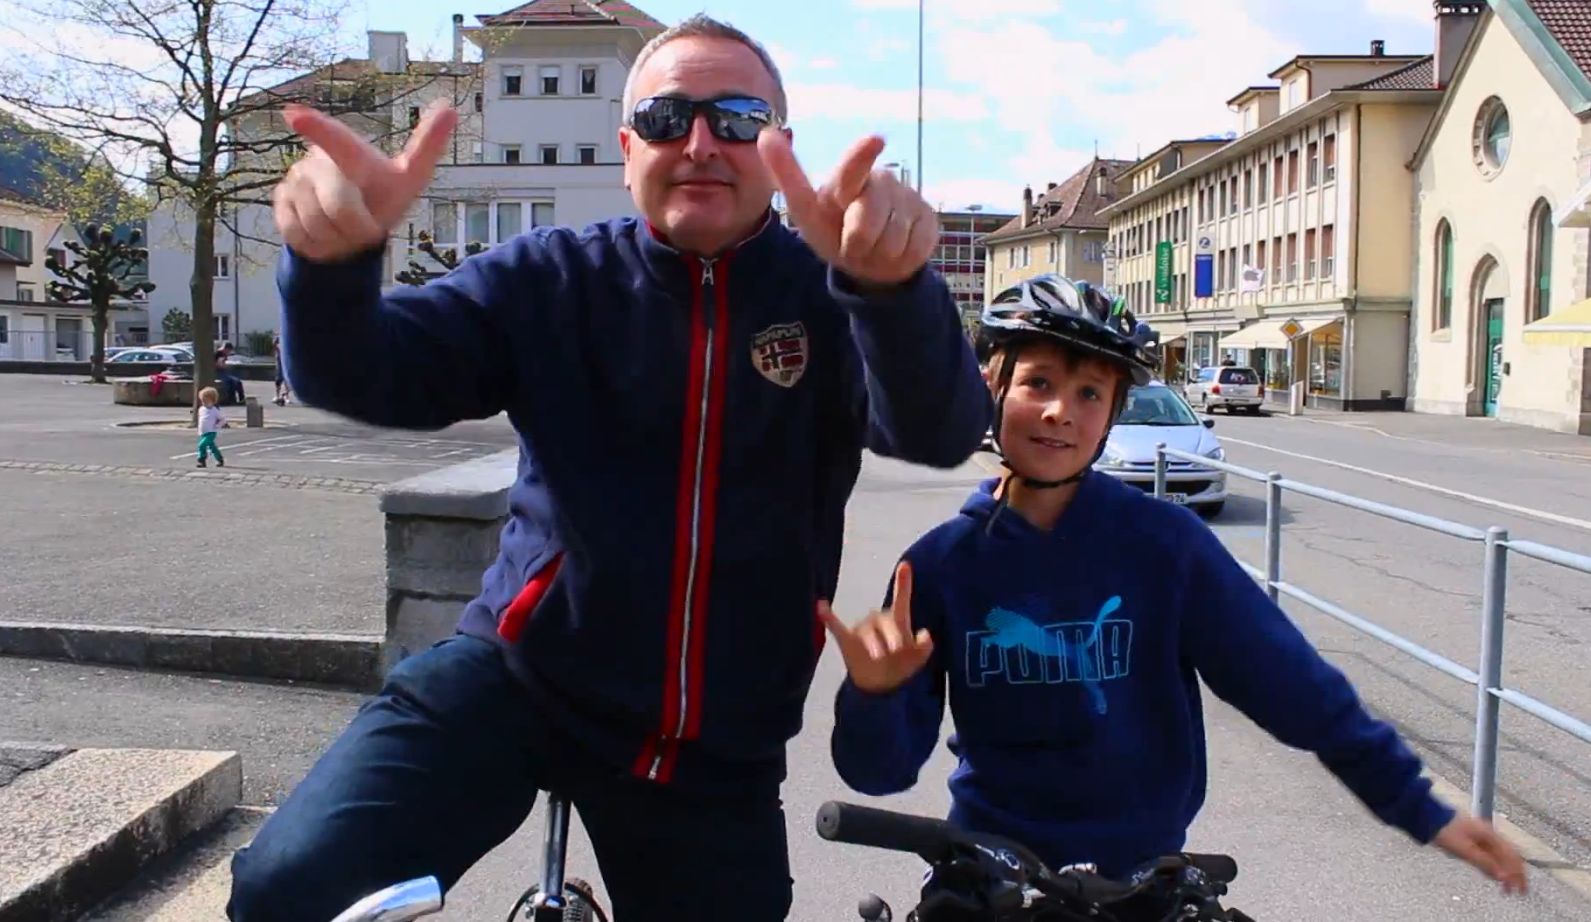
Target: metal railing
x: 1488, y: 681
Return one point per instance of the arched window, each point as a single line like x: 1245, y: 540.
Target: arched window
x: 1538, y: 291
x: 1444, y: 277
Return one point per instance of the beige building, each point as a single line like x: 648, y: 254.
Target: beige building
x: 1059, y: 232
x: 1131, y: 250
x: 1304, y: 214
x: 1503, y: 174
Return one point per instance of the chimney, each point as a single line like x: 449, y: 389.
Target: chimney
x: 1455, y: 23
x: 389, y: 51
x: 1027, y: 205
x: 1378, y: 48
x: 458, y: 38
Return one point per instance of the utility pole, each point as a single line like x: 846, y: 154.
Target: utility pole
x: 919, y: 97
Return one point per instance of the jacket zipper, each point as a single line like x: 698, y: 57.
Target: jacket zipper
x: 707, y: 301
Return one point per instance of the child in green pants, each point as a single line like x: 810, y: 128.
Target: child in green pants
x: 210, y: 421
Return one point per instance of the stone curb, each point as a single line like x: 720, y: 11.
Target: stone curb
x: 346, y: 660
x: 84, y: 826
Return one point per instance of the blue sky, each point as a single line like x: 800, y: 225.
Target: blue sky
x: 1018, y: 91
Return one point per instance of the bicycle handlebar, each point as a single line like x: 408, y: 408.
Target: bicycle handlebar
x: 938, y: 842
x: 928, y: 838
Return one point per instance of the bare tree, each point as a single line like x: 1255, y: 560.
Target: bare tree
x: 100, y: 276
x: 185, y: 96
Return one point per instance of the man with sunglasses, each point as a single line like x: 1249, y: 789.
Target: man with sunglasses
x: 693, y: 391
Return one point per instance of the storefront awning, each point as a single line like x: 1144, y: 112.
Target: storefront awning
x: 1310, y: 325
x: 1570, y: 326
x: 1267, y: 334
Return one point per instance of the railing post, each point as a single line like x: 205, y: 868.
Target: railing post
x: 1494, y: 591
x: 1273, y: 534
x: 1160, y: 471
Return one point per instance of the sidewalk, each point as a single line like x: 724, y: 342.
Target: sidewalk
x: 1306, y: 853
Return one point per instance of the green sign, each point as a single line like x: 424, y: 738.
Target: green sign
x: 1163, y: 272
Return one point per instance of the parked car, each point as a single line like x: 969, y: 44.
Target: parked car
x: 1226, y: 386
x: 156, y: 354
x: 1155, y: 413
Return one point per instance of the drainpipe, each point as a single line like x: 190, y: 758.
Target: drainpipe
x: 1351, y: 303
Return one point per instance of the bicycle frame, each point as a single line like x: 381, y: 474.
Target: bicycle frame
x: 422, y: 896
x: 548, y: 904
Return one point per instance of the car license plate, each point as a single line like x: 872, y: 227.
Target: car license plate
x: 1180, y: 499
x: 1244, y: 390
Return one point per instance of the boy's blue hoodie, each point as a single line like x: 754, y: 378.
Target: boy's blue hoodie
x: 1073, y: 659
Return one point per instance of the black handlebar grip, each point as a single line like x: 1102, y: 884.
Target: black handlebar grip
x: 1220, y: 868
x: 858, y: 825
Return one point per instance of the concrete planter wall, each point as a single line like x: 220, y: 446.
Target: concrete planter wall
x: 442, y: 531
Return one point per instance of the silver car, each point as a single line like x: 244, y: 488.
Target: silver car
x: 1228, y: 386
x: 1155, y: 413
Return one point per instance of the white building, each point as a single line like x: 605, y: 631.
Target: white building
x: 537, y: 144
x: 33, y: 327
x: 1502, y: 251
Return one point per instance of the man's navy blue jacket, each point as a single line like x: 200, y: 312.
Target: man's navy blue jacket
x: 690, y: 431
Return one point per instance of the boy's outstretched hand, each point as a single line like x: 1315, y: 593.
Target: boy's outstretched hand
x: 881, y: 652
x: 1478, y: 843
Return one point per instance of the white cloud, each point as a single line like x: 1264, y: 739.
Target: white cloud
x: 1040, y: 162
x: 982, y: 10
x: 1173, y: 88
x: 825, y: 102
x: 785, y: 59
x: 823, y: 64
x: 880, y: 49
x: 1411, y: 10
x: 998, y: 195
x: 1113, y: 27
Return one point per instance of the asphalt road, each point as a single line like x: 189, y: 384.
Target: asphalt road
x: 1306, y: 850
x: 289, y: 534
x: 1426, y: 586
x: 46, y: 418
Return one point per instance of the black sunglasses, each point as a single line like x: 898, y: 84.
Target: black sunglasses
x: 729, y: 118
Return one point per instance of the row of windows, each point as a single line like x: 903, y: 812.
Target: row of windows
x: 1020, y: 257
x: 1270, y: 173
x: 1141, y: 238
x: 1278, y: 260
x: 1538, y: 290
x: 1141, y: 295
x: 549, y: 80
x: 1269, y: 182
x: 485, y: 222
x: 548, y: 154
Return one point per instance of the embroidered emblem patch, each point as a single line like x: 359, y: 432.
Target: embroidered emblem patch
x: 780, y: 353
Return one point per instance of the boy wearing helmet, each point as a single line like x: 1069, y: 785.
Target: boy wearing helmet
x: 1072, y: 677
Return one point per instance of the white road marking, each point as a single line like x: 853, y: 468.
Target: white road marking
x: 1423, y: 485
x: 238, y: 446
